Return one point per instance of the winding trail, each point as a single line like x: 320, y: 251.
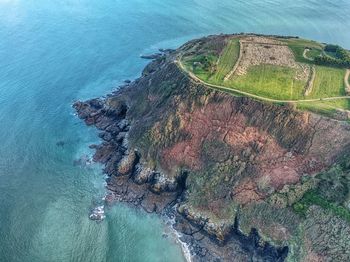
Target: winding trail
x: 228, y: 76
x: 178, y: 62
x: 310, y: 82
x: 346, y: 81
x: 305, y: 56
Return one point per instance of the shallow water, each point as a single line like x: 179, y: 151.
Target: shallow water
x: 54, y: 52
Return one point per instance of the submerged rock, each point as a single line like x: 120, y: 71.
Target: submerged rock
x: 84, y: 160
x: 97, y: 214
x: 60, y: 143
x: 152, y: 56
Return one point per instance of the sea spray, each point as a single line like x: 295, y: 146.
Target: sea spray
x: 169, y: 220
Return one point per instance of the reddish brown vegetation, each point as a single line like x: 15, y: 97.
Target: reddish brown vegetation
x: 273, y: 162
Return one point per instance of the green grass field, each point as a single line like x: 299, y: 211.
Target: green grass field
x: 328, y: 82
x: 275, y: 82
x: 313, y: 53
x: 269, y: 81
x: 226, y: 61
x: 298, y: 46
x: 201, y: 72
x: 327, y: 108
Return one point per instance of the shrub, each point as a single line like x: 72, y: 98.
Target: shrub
x: 331, y: 48
x: 342, y: 57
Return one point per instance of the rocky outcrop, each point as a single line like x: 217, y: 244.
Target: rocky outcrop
x: 131, y: 182
x: 231, y: 167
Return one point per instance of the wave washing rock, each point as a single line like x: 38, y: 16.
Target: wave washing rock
x: 250, y: 180
x: 98, y: 213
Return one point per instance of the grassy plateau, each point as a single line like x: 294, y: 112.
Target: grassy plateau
x: 271, y: 76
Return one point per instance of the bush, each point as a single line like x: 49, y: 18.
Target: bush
x: 342, y: 57
x: 334, y: 62
x: 331, y: 48
x: 300, y: 208
x: 331, y: 192
x: 313, y: 198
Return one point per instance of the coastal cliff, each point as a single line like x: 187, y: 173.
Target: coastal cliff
x: 245, y: 180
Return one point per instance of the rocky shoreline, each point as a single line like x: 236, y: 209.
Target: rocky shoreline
x: 142, y: 188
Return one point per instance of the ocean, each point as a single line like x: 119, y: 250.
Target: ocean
x: 55, y: 52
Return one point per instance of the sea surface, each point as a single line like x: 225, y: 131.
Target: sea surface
x: 54, y: 52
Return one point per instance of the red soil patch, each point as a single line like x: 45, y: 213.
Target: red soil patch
x: 247, y: 192
x: 182, y: 153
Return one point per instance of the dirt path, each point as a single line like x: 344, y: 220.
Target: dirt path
x: 305, y: 56
x: 346, y: 81
x: 310, y: 82
x: 265, y: 43
x: 228, y: 76
x: 229, y: 89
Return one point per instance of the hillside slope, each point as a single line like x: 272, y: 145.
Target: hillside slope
x: 248, y: 179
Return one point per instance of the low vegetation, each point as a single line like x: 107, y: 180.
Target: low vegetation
x: 313, y: 198
x: 339, y: 58
x: 202, y: 65
x: 226, y: 61
x: 298, y: 46
x: 327, y: 108
x: 313, y: 53
x: 328, y: 82
x: 331, y: 193
x: 270, y: 81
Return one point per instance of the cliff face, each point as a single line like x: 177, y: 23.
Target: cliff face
x: 231, y: 163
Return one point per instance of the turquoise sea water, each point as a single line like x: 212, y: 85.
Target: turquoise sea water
x: 54, y: 52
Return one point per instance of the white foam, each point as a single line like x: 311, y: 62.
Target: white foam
x: 184, y: 246
x: 98, y: 213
